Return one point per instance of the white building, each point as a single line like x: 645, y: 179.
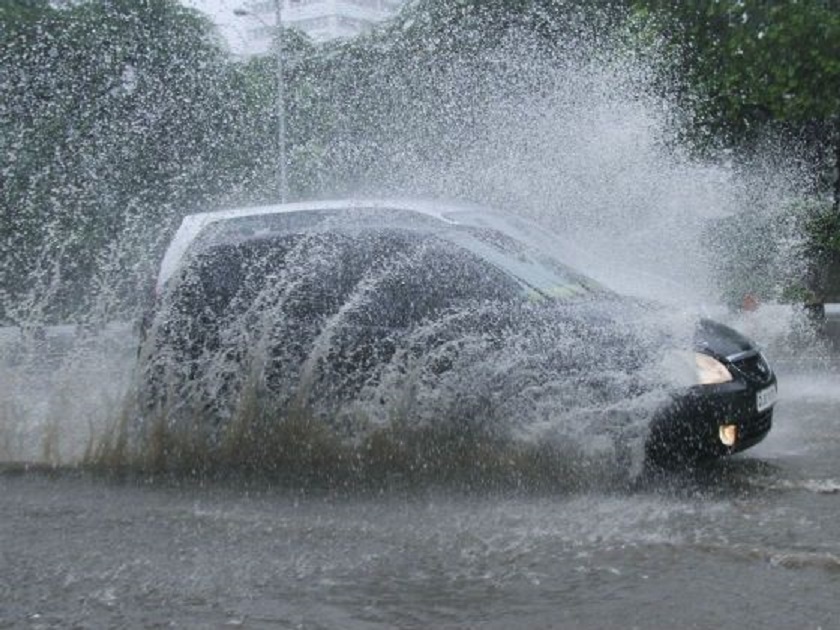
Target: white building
x: 248, y: 25
x: 322, y: 20
x: 328, y: 19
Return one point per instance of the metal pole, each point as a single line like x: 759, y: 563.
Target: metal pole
x: 837, y: 166
x: 280, y: 104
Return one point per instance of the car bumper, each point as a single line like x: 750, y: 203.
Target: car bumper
x: 690, y: 426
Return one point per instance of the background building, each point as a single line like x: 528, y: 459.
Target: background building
x: 247, y: 25
x: 328, y: 19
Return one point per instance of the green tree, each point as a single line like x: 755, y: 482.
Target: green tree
x: 743, y: 66
x: 117, y: 114
x: 410, y: 91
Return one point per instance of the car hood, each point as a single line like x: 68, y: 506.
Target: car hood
x: 710, y: 336
x: 720, y: 340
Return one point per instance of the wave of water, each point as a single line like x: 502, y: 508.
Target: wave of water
x: 60, y: 389
x: 356, y: 355
x: 590, y: 154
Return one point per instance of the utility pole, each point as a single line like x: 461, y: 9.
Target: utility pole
x: 283, y: 184
x: 836, y: 201
x: 280, y: 101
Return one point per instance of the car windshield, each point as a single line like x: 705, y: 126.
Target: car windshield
x: 543, y: 276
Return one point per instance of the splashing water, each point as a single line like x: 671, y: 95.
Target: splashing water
x: 388, y: 337
x: 318, y: 368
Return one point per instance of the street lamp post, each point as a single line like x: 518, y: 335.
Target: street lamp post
x: 280, y: 101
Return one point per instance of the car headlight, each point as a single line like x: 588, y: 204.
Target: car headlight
x: 685, y: 368
x: 710, y: 371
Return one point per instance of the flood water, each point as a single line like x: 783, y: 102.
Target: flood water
x: 753, y: 541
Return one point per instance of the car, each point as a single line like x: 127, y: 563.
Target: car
x: 370, y: 312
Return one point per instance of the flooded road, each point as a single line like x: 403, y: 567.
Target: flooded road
x: 751, y: 542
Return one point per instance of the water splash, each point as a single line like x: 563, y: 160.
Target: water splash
x: 584, y: 145
x: 375, y: 342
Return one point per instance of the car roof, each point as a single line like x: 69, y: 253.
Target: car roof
x: 193, y: 224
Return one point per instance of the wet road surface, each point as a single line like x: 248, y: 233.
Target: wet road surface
x: 751, y: 542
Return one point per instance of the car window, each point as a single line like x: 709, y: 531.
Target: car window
x: 465, y: 261
x: 382, y: 277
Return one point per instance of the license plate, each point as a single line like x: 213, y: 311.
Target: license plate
x: 766, y: 398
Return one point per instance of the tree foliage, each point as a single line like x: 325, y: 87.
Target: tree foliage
x: 744, y: 66
x: 114, y: 112
x: 118, y: 117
